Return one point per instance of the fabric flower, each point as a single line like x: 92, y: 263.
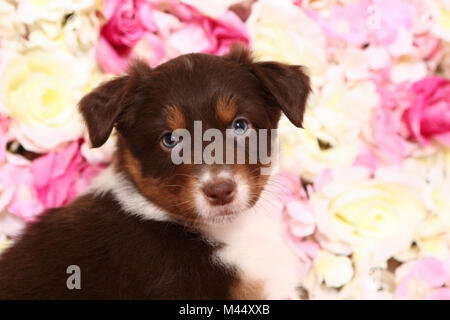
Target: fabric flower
x: 56, y: 174
x: 441, y: 17
x: 427, y: 278
x: 72, y: 25
x: 214, y: 9
x: 378, y: 22
x: 282, y: 32
x: 334, y: 270
x: 127, y: 21
x: 200, y: 33
x: 4, y: 127
x: 18, y: 192
x: 42, y: 100
x: 296, y: 212
x: 428, y: 116
x: 373, y: 218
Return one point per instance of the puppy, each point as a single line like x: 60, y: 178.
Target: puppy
x: 152, y: 229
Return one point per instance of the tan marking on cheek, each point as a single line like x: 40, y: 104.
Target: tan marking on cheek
x: 159, y: 192
x: 175, y: 118
x: 226, y: 109
x: 246, y: 289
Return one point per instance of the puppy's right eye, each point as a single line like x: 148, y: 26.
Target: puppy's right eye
x: 169, y: 141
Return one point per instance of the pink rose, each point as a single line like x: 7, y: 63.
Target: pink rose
x: 297, y: 215
x: 375, y: 21
x: 4, y: 126
x: 60, y: 176
x: 162, y: 30
x: 200, y: 33
x: 18, y: 193
x: 427, y: 278
x: 428, y: 115
x: 127, y: 22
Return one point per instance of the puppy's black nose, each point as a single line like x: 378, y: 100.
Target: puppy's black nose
x: 219, y: 192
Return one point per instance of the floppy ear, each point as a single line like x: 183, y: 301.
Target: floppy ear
x: 105, y: 106
x: 288, y: 86
x: 101, y: 108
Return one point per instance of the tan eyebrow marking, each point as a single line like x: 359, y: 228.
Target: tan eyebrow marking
x: 175, y: 118
x: 226, y: 109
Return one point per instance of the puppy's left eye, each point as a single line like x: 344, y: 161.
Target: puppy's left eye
x: 169, y: 140
x: 240, y: 126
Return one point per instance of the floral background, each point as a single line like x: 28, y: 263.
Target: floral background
x: 366, y: 183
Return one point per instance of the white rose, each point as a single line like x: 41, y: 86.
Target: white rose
x: 30, y: 11
x: 440, y: 11
x: 301, y: 152
x: 373, y: 218
x: 281, y: 31
x: 341, y: 109
x: 40, y: 91
x: 334, y: 270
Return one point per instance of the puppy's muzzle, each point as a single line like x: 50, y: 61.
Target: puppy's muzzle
x: 219, y: 192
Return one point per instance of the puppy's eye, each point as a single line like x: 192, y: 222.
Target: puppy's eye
x: 169, y: 140
x: 240, y: 126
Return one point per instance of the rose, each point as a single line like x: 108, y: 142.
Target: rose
x: 440, y: 11
x: 281, y: 31
x: 49, y: 24
x: 377, y: 21
x: 183, y: 29
x: 40, y: 92
x: 433, y: 238
x: 127, y: 22
x: 30, y: 11
x: 334, y: 270
x: 428, y: 115
x: 4, y: 128
x: 332, y: 128
x: 302, y: 153
x: 59, y: 176
x: 17, y: 191
x: 427, y: 278
x: 196, y: 32
x: 373, y: 218
x: 214, y: 9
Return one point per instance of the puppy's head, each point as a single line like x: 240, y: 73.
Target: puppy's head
x: 170, y: 109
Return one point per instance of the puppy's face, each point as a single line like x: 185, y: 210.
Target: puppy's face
x: 173, y: 109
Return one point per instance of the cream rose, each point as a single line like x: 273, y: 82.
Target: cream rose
x: 440, y: 11
x: 336, y: 116
x: 373, y: 218
x: 339, y: 111
x: 301, y: 152
x: 335, y: 271
x: 40, y: 92
x: 281, y: 31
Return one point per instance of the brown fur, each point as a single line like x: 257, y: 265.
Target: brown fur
x: 246, y: 289
x: 122, y: 255
x: 175, y: 118
x: 226, y: 109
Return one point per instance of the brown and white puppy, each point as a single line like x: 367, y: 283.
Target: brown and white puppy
x: 151, y: 229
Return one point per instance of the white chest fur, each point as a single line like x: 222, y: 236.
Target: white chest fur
x: 255, y: 245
